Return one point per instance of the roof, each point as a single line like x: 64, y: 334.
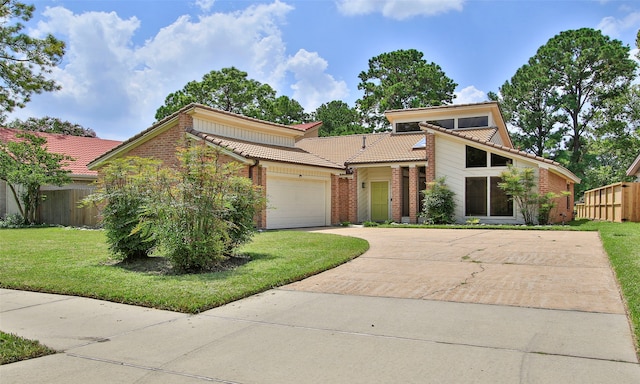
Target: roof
x: 634, y: 169
x: 307, y: 126
x: 267, y: 152
x: 81, y: 149
x: 464, y: 134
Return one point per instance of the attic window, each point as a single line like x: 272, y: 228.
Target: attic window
x: 421, y: 144
x: 473, y: 122
x: 444, y: 123
x: 408, y: 127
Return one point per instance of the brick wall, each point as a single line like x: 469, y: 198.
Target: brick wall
x: 564, y: 204
x: 335, y: 199
x: 431, y: 157
x: 163, y: 147
x: 413, y: 195
x: 396, y: 194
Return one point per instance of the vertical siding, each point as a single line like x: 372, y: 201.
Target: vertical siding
x: 242, y: 134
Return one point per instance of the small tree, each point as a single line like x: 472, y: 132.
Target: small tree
x: 26, y: 166
x: 124, y: 189
x: 519, y: 185
x: 438, y: 203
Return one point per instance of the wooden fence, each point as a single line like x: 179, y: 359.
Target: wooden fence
x: 61, y: 207
x: 617, y: 202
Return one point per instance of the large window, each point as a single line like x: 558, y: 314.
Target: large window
x: 475, y: 196
x: 500, y: 161
x: 473, y: 122
x: 479, y: 199
x: 476, y: 158
x: 501, y: 204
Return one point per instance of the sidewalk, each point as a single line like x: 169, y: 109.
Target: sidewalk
x: 305, y: 333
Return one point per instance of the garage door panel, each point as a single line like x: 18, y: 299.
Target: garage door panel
x: 294, y: 203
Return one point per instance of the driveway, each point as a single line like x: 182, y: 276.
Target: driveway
x: 421, y: 306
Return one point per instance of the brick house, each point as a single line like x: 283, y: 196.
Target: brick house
x: 320, y: 181
x: 60, y: 205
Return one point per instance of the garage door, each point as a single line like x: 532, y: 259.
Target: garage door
x: 296, y: 203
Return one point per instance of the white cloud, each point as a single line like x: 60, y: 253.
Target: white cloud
x: 469, y: 95
x: 205, y: 5
x: 313, y: 86
x: 399, y: 9
x: 613, y: 27
x: 114, y: 86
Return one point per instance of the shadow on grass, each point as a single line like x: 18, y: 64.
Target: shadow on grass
x: 161, y: 266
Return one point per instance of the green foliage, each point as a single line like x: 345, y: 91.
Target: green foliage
x: 24, y: 60
x: 439, y: 205
x: 123, y: 191
x: 52, y: 125
x: 398, y: 80
x: 370, y: 224
x: 230, y: 90
x: 25, y: 166
x: 14, y: 220
x: 338, y: 119
x: 202, y: 211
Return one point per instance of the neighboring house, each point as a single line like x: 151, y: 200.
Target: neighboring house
x: 60, y: 205
x: 634, y: 169
x: 319, y: 181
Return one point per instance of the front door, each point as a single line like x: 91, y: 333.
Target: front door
x: 379, y: 200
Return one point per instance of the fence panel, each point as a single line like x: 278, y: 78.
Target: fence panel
x: 617, y: 202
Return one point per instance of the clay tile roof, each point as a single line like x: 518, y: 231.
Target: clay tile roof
x: 307, y: 126
x: 81, y: 149
x: 267, y: 152
x: 378, y: 148
x: 484, y: 134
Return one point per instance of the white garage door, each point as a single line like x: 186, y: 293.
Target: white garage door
x: 296, y: 203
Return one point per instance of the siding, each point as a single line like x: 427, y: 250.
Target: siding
x: 242, y: 134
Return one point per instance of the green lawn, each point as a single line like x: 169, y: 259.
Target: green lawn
x: 77, y: 262
x: 14, y: 348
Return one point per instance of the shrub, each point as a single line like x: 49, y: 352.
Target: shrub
x: 123, y: 190
x: 13, y: 220
x: 438, y: 203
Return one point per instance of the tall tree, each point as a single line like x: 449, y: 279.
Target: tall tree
x: 52, y: 125
x: 398, y: 80
x: 24, y: 60
x: 529, y: 102
x: 230, y: 90
x: 586, y: 69
x: 338, y: 119
x: 26, y: 166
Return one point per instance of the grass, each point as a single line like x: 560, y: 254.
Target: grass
x: 14, y: 348
x: 77, y: 262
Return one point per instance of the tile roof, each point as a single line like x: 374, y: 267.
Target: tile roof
x: 267, y: 152
x: 484, y: 134
x: 378, y: 148
x: 81, y: 149
x: 307, y: 126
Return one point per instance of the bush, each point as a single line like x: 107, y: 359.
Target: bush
x: 438, y: 203
x: 123, y: 191
x: 13, y: 220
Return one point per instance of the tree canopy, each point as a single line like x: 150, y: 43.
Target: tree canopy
x: 570, y: 96
x: 52, y: 125
x: 338, y: 119
x: 398, y: 80
x: 24, y: 60
x: 25, y: 166
x: 230, y: 90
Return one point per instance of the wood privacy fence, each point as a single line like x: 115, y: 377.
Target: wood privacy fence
x: 61, y: 207
x: 617, y: 202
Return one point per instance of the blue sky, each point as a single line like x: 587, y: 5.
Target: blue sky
x: 125, y: 56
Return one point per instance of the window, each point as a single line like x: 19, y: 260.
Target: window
x: 473, y: 122
x: 475, y: 196
x: 476, y: 158
x: 501, y: 204
x: 444, y: 123
x: 478, y: 197
x: 500, y: 161
x: 408, y: 127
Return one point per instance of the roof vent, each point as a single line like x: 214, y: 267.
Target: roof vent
x: 364, y: 142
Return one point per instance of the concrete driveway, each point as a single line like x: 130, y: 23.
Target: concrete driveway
x: 421, y: 306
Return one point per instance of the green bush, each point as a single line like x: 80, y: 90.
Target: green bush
x: 123, y: 190
x: 438, y: 203
x: 14, y: 220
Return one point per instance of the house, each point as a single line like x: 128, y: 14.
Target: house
x: 320, y: 181
x: 60, y: 204
x: 634, y: 169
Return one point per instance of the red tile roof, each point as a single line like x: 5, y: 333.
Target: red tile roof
x: 307, y: 126
x: 81, y: 149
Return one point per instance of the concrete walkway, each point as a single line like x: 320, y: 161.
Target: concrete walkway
x: 421, y: 306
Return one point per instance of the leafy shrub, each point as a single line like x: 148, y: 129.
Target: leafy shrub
x: 370, y: 224
x: 13, y: 220
x: 438, y: 203
x: 123, y: 190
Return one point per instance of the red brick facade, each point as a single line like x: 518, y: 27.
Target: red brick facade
x: 396, y: 194
x: 550, y: 182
